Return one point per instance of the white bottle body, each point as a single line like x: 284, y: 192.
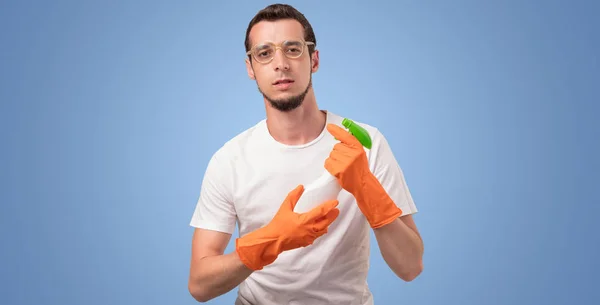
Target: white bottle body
x: 325, y: 188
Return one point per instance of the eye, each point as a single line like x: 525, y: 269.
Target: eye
x: 264, y: 52
x: 293, y: 48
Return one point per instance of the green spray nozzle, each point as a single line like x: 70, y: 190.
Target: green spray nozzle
x: 358, y: 132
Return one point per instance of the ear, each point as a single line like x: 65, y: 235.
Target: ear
x: 315, y: 61
x: 249, y: 69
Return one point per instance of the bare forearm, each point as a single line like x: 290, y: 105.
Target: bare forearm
x: 401, y: 248
x: 217, y: 275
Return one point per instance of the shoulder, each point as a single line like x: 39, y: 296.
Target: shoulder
x: 380, y: 154
x: 224, y: 161
x: 376, y: 135
x: 234, y: 148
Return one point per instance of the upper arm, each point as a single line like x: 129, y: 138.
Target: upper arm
x: 214, y: 217
x: 215, y: 209
x: 389, y: 173
x: 208, y: 243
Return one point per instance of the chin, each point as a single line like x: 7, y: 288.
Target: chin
x: 284, y: 94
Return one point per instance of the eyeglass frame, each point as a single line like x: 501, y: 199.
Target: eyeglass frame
x: 279, y: 46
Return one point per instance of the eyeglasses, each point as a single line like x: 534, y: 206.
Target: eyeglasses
x: 265, y: 52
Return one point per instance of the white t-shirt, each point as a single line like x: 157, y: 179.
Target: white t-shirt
x: 247, y: 180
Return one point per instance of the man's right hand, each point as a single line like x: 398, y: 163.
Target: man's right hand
x: 287, y: 230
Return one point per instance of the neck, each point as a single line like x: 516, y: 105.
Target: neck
x: 298, y: 126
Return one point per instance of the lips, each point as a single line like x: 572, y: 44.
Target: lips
x: 283, y: 81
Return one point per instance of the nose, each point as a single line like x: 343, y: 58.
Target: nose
x: 280, y: 61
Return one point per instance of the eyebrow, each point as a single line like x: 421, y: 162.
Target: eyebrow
x: 288, y: 39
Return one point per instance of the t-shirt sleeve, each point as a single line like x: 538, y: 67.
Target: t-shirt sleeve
x: 214, y: 209
x: 387, y: 170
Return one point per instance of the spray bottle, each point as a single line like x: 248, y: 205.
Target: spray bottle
x: 326, y: 187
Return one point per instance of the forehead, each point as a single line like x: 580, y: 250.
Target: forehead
x: 276, y: 31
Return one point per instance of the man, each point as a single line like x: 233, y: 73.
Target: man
x: 255, y: 179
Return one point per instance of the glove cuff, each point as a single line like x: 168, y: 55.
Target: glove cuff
x: 375, y: 203
x: 257, y: 250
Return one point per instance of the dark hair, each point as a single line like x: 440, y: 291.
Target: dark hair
x: 279, y: 11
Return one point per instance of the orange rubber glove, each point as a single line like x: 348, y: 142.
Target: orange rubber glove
x: 349, y: 164
x: 287, y: 230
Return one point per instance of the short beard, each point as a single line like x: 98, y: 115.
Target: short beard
x: 290, y: 103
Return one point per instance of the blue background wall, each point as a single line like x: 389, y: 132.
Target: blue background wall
x: 110, y: 111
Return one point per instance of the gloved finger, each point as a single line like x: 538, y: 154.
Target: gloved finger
x: 324, y: 222
x: 321, y: 210
x: 342, y: 150
x: 342, y: 135
x: 335, y: 156
x: 334, y: 166
x: 293, y: 196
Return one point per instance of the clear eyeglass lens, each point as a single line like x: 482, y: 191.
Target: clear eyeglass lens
x: 266, y: 51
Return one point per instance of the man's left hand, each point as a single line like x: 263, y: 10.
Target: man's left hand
x: 347, y: 161
x: 349, y: 164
